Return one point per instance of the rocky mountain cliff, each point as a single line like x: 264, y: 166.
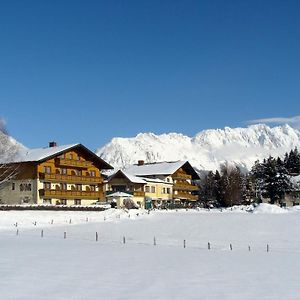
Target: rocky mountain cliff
x: 207, y: 149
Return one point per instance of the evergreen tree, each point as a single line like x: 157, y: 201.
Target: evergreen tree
x: 292, y: 162
x: 271, y: 179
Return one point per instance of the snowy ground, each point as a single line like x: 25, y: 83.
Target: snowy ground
x: 79, y: 267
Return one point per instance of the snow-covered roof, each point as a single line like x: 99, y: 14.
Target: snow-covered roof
x: 138, y: 179
x: 119, y: 194
x: 160, y: 168
x: 156, y: 180
x: 41, y: 153
x: 130, y: 177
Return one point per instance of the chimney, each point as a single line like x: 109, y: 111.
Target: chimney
x: 141, y: 162
x: 52, y: 144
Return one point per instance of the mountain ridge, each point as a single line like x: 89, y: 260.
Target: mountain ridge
x: 207, y: 149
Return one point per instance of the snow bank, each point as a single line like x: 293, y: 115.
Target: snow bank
x: 265, y: 208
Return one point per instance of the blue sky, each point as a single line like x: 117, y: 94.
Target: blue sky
x: 87, y: 71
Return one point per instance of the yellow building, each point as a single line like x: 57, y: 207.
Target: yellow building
x: 65, y: 175
x: 141, y: 188
x: 162, y: 183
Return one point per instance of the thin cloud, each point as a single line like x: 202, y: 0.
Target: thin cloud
x: 292, y: 121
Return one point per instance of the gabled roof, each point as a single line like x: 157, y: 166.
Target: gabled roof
x: 137, y: 179
x: 130, y: 177
x: 161, y: 168
x: 42, y: 154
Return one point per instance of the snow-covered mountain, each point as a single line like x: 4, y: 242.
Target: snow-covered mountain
x: 207, y: 149
x: 9, y: 148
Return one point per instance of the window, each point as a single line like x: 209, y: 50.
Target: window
x: 77, y: 172
x: 93, y: 188
x: 93, y: 173
x: 13, y: 186
x: 147, y: 189
x: 25, y: 187
x: 70, y: 156
x: 79, y: 187
x: 168, y: 191
x: 63, y: 186
x: 77, y: 201
x: 47, y: 185
x: 47, y: 169
x: 63, y: 201
x: 47, y: 201
x: 152, y: 189
x: 64, y: 171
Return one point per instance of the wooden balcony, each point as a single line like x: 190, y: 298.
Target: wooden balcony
x: 138, y: 194
x: 69, y: 194
x: 181, y: 176
x: 186, y: 196
x: 73, y: 163
x: 185, y: 187
x: 70, y: 178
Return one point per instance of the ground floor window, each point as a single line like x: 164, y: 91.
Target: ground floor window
x: 47, y: 201
x: 63, y: 201
x: 77, y: 201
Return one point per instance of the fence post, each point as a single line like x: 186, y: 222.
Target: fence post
x: 208, y: 245
x: 249, y: 249
x: 124, y: 240
x: 17, y: 233
x: 96, y: 236
x: 184, y: 244
x: 230, y: 246
x: 154, y: 241
x: 268, y: 248
x: 42, y: 233
x: 65, y: 235
x: 51, y: 221
x: 70, y: 222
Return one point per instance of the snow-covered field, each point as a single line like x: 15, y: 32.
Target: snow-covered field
x: 79, y: 267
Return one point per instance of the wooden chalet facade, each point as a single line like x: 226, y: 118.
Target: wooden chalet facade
x: 61, y: 175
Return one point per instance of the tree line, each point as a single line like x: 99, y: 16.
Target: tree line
x: 270, y: 179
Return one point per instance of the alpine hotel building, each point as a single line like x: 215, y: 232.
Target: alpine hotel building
x: 65, y: 175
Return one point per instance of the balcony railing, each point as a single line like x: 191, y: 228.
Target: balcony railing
x: 138, y: 194
x: 180, y: 176
x: 186, y: 196
x: 185, y: 187
x: 73, y: 163
x: 70, y: 194
x: 70, y: 178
